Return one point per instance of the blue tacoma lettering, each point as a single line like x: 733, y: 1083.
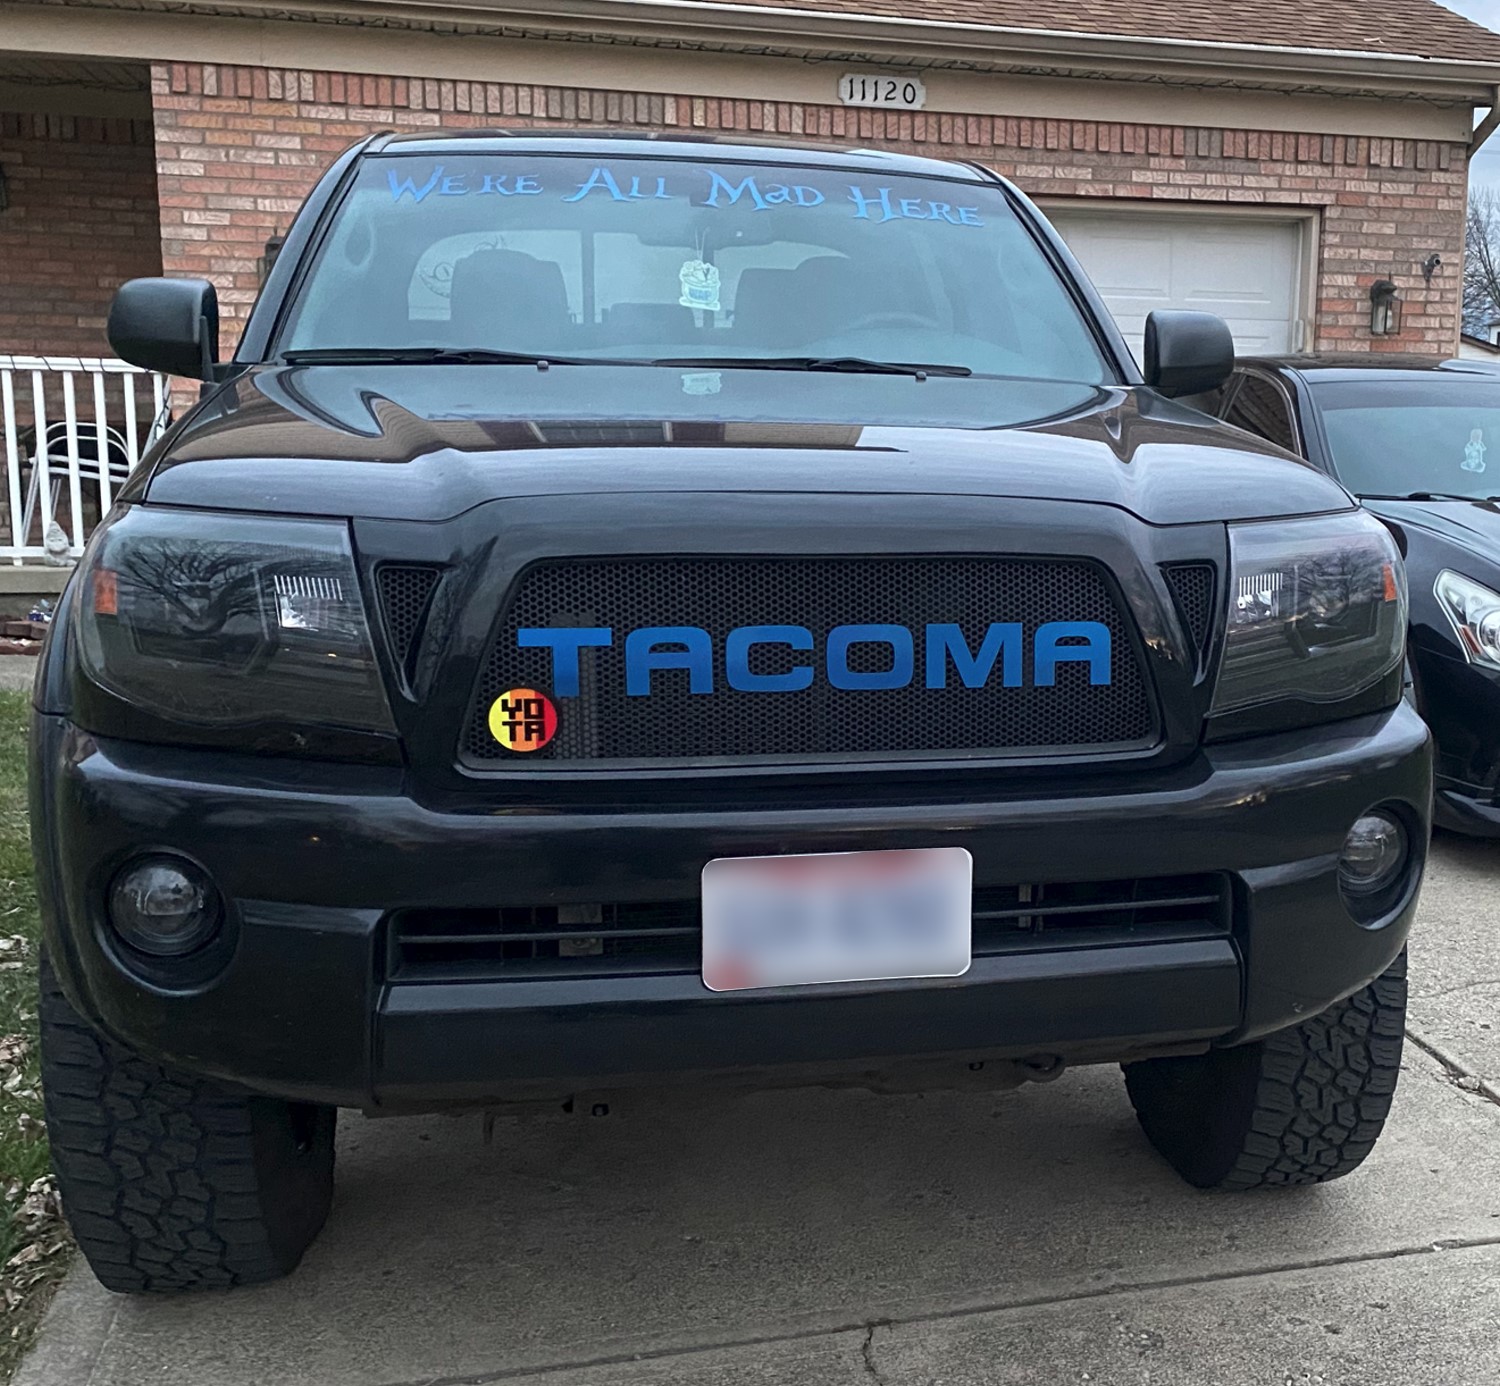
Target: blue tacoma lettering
x: 737, y: 659
x: 1050, y: 651
x: 1001, y: 641
x: 653, y: 648
x: 643, y: 654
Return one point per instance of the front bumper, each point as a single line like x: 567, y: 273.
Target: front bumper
x: 313, y: 858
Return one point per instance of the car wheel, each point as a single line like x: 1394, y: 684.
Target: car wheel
x: 172, y: 1182
x: 1302, y: 1106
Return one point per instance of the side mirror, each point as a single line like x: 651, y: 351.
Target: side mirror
x: 1187, y: 353
x: 168, y: 325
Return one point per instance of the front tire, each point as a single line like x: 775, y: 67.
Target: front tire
x: 172, y: 1182
x: 1302, y: 1106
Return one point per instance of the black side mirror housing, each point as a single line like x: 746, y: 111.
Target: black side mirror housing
x: 1187, y: 353
x: 167, y: 325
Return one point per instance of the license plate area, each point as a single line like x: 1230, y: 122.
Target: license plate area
x: 803, y: 920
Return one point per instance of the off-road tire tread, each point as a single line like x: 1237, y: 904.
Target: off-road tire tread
x: 172, y: 1182
x: 1302, y: 1106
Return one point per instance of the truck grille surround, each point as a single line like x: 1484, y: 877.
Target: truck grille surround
x: 604, y: 724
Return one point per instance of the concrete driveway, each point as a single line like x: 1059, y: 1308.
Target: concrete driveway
x: 847, y: 1238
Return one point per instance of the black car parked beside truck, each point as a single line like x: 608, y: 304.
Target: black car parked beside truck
x: 1408, y: 436
x: 640, y: 610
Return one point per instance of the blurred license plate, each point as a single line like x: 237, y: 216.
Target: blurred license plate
x: 836, y: 917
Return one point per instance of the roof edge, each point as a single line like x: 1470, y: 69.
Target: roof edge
x: 743, y: 25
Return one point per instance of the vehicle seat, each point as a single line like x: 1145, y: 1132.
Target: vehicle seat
x: 509, y: 301
x: 648, y: 324
x: 787, y: 308
x: 833, y: 293
x: 762, y: 316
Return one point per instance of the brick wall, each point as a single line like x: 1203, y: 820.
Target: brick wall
x: 82, y: 218
x: 238, y: 147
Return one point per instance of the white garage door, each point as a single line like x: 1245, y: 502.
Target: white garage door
x: 1246, y: 271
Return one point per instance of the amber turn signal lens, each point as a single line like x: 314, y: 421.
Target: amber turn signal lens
x: 106, y: 592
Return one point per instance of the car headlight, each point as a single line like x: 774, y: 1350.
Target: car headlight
x: 227, y: 629
x: 1474, y: 612
x: 1317, y: 613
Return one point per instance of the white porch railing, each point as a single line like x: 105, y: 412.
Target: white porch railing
x: 72, y: 429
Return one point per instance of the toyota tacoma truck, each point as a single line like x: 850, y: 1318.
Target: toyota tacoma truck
x: 639, y: 610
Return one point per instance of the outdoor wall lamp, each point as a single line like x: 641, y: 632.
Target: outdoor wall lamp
x: 4, y: 190
x: 1385, y: 309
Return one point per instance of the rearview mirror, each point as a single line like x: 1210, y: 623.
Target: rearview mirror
x: 1187, y: 353
x: 168, y: 325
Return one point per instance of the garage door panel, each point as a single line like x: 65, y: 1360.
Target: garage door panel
x: 1248, y: 272
x: 1257, y: 339
x: 1132, y: 263
x: 1213, y: 268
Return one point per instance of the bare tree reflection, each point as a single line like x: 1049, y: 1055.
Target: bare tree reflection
x: 200, y: 588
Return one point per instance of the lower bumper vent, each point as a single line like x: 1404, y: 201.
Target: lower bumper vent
x: 523, y: 943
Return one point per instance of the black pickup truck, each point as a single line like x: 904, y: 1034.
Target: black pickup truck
x: 640, y: 610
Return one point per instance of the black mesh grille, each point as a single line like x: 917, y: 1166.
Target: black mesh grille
x: 1192, y: 587
x: 525, y: 942
x: 603, y: 723
x: 405, y: 594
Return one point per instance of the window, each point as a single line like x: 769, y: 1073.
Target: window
x: 1260, y: 406
x: 1435, y: 432
x: 645, y: 259
x: 1211, y: 401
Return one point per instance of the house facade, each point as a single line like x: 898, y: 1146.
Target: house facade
x: 1267, y: 160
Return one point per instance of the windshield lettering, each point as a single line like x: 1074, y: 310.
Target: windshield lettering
x: 460, y: 185
x: 878, y: 206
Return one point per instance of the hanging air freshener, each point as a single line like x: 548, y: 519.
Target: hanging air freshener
x: 700, y: 286
x: 700, y: 283
x: 1474, y: 452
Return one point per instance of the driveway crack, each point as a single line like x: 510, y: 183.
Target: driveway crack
x: 1454, y: 990
x: 867, y: 1349
x: 541, y: 1371
x: 1456, y: 1071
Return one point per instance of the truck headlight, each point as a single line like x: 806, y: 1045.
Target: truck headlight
x: 206, y: 624
x: 1474, y: 612
x: 1317, y: 612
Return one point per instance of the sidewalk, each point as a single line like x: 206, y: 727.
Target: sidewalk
x: 17, y: 671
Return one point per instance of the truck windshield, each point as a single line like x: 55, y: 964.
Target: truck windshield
x: 664, y: 260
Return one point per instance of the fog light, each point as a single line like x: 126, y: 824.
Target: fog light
x: 1374, y: 854
x: 164, y: 906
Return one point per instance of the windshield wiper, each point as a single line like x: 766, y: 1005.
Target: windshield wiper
x: 485, y: 356
x: 437, y: 356
x: 854, y: 365
x: 1432, y: 496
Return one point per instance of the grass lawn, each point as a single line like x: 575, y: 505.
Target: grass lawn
x: 34, y: 1248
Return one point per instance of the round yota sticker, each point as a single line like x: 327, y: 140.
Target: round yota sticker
x: 521, y: 719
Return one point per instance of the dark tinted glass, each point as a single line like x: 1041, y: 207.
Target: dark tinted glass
x: 1435, y: 432
x: 650, y: 258
x: 1261, y: 408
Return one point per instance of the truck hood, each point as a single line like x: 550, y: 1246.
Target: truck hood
x: 430, y: 442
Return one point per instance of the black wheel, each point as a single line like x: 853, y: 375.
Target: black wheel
x: 1302, y: 1106
x: 172, y: 1182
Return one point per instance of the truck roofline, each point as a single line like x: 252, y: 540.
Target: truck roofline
x: 665, y: 144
